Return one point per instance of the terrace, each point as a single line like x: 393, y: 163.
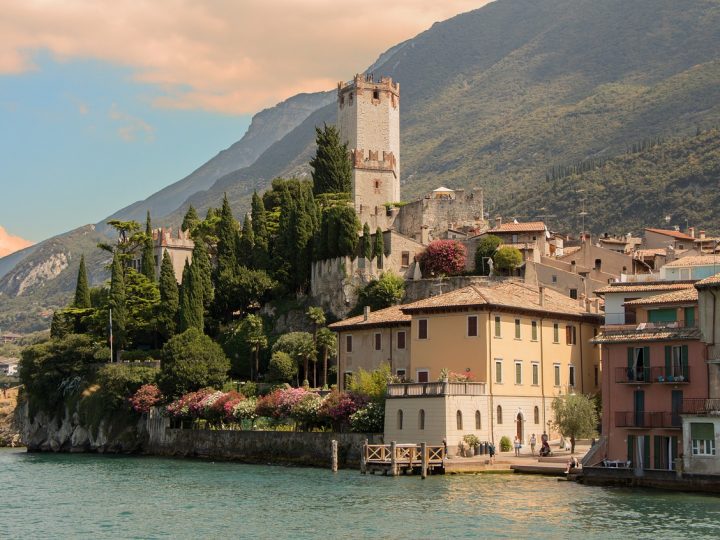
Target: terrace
x: 645, y: 420
x: 435, y: 389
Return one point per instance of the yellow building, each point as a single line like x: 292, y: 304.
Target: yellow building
x: 524, y: 345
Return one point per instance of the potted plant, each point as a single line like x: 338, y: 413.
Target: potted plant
x: 473, y: 442
x: 505, y: 444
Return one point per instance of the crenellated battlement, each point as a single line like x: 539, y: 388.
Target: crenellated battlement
x: 373, y: 161
x: 366, y: 86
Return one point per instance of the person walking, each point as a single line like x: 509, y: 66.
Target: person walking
x: 533, y: 442
x: 491, y: 451
x: 517, y: 446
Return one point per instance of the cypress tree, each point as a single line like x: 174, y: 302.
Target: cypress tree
x: 148, y: 258
x: 82, y: 289
x: 201, y: 261
x: 379, y: 250
x: 366, y: 242
x: 169, y: 298
x: 332, y: 170
x: 191, y: 302
x: 247, y: 243
x: 260, y: 257
x: 190, y: 220
x: 117, y: 303
x: 227, y: 239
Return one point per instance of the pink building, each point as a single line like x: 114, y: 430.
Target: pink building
x: 649, y: 367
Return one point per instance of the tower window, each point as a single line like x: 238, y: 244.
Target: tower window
x: 377, y: 184
x: 376, y: 94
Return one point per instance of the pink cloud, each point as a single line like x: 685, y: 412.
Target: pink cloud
x: 234, y: 57
x: 10, y: 244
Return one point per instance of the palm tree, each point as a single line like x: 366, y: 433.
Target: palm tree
x: 327, y: 341
x: 254, y: 335
x: 317, y: 316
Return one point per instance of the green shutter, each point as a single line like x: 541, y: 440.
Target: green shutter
x: 657, y: 451
x: 631, y: 448
x: 674, y: 449
x: 684, y: 360
x: 631, y: 358
x: 668, y: 360
x: 646, y: 452
x: 702, y: 431
x: 689, y: 316
x: 646, y: 357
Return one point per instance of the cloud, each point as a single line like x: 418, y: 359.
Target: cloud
x: 131, y: 126
x: 225, y: 55
x: 10, y: 244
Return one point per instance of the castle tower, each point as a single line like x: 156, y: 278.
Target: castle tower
x: 369, y: 121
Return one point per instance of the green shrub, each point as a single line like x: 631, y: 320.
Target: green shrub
x: 282, y: 367
x: 505, y: 444
x: 118, y: 382
x: 369, y: 419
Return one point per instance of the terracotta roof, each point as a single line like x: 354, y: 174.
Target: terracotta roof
x: 695, y: 260
x: 613, y: 241
x: 571, y: 249
x: 708, y: 282
x: 382, y: 317
x: 674, y: 234
x: 530, y: 226
x: 642, y: 253
x: 647, y: 286
x: 507, y: 294
x: 647, y: 334
x: 680, y: 296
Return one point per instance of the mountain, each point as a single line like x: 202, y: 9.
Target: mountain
x: 266, y: 127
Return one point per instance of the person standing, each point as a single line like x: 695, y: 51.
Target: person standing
x: 491, y: 451
x: 517, y: 446
x: 533, y: 442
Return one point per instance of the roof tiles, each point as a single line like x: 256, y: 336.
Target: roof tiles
x: 680, y: 296
x: 382, y: 317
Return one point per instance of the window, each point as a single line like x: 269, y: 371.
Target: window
x: 351, y: 98
x: 423, y: 375
x: 499, y: 414
x: 598, y: 264
x: 570, y: 335
x: 676, y: 362
x: 573, y: 294
x: 703, y: 438
x: 534, y: 334
x: 497, y: 326
x: 554, y: 279
x: 458, y: 420
x: 597, y: 376
x: 518, y: 372
x: 378, y: 341
x: 348, y: 343
x: 401, y: 340
x: 405, y: 258
x: 377, y: 184
x: 517, y: 328
x: 478, y: 420
x: 556, y: 333
x: 400, y: 373
x: 498, y: 371
x: 399, y: 419
x: 472, y: 326
x: 571, y: 376
x: 421, y: 419
x: 638, y: 364
x: 556, y: 372
x: 376, y: 94
x: 536, y: 414
x: 422, y: 329
x: 536, y: 374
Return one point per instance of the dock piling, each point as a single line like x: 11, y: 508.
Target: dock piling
x: 334, y: 451
x: 393, y: 459
x: 424, y: 460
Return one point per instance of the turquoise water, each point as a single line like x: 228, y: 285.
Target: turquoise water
x: 90, y: 496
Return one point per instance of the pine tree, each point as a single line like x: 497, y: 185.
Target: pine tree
x: 117, y: 303
x: 227, y: 239
x: 379, y: 250
x: 366, y: 242
x: 190, y: 220
x: 169, y: 298
x: 148, y: 258
x: 332, y: 170
x: 82, y: 289
x: 261, y: 258
x: 247, y: 243
x: 191, y: 303
x: 201, y: 261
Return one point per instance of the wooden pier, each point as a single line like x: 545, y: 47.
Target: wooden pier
x: 394, y: 459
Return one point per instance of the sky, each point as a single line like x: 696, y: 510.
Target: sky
x: 103, y: 103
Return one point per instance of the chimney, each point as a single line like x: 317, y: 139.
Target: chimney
x: 691, y: 231
x: 702, y: 235
x: 366, y: 313
x: 542, y: 296
x: 498, y: 221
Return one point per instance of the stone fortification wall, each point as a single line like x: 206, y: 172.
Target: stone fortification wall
x: 282, y: 447
x: 424, y: 288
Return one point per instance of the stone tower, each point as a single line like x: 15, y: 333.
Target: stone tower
x: 369, y: 121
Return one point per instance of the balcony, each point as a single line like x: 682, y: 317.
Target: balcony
x: 658, y: 374
x: 647, y: 420
x: 632, y: 375
x: 435, y: 389
x: 701, y: 406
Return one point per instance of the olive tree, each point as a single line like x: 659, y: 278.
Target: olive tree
x: 575, y: 416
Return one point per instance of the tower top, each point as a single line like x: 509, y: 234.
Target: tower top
x: 368, y: 82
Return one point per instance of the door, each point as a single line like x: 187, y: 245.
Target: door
x: 639, y: 408
x: 677, y: 398
x: 519, y: 427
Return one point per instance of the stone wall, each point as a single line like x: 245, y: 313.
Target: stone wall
x: 435, y: 216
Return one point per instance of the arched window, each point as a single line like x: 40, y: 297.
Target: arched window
x: 478, y: 420
x: 499, y: 414
x: 399, y: 419
x: 537, y: 414
x: 458, y: 418
x: 421, y: 419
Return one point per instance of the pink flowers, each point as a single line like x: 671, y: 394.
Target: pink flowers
x: 443, y: 257
x: 146, y: 397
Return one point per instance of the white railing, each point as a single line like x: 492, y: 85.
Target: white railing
x: 440, y: 388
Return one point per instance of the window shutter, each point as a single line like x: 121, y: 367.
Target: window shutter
x: 702, y: 431
x: 668, y: 360
x: 684, y: 360
x: 631, y: 358
x: 657, y: 451
x: 631, y: 448
x: 646, y: 358
x: 646, y: 452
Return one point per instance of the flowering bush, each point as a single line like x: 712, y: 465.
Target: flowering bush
x: 460, y: 377
x: 230, y: 404
x: 287, y: 399
x: 337, y: 407
x: 268, y: 405
x: 148, y: 395
x: 244, y: 410
x: 306, y: 410
x: 369, y: 419
x: 443, y: 257
x: 202, y: 401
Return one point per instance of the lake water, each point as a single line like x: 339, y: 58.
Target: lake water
x: 90, y: 496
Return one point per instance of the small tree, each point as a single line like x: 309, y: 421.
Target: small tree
x: 381, y: 293
x: 169, y: 298
x: 327, y: 342
x: 575, y: 416
x: 252, y: 332
x: 190, y: 220
x: 282, y: 367
x: 367, y: 246
x: 317, y: 316
x: 485, y: 250
x: 443, y: 257
x: 191, y: 361
x: 147, y: 261
x: 379, y: 247
x: 332, y: 170
x: 300, y: 346
x: 82, y: 289
x: 117, y: 304
x: 507, y: 259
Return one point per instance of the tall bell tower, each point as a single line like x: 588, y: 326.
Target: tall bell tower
x: 369, y: 121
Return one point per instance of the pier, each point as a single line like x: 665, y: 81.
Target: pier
x: 394, y: 459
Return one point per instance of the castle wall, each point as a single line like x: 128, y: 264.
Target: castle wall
x: 438, y: 215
